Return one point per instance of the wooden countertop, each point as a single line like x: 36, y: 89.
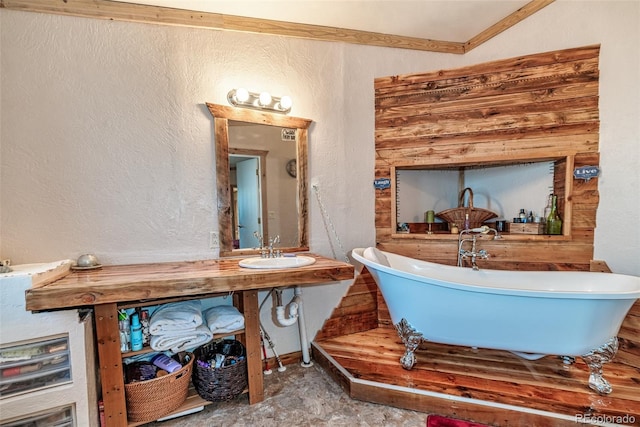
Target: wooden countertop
x: 138, y: 282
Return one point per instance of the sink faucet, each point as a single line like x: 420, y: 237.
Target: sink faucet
x: 277, y: 252
x: 268, y: 251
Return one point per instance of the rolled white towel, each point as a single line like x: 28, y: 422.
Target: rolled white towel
x: 178, y: 341
x: 223, y: 318
x: 176, y: 316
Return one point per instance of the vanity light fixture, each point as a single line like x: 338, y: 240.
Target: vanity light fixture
x: 260, y: 101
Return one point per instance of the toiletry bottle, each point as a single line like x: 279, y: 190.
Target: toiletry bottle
x: 136, y: 333
x: 466, y: 222
x: 144, y: 321
x: 554, y: 223
x: 522, y: 215
x: 123, y: 325
x: 163, y: 361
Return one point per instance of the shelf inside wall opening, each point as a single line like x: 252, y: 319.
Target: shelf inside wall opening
x: 503, y: 189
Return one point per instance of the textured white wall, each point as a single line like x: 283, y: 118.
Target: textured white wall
x: 106, y: 145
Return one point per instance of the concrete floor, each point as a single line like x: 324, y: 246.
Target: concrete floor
x: 300, y: 397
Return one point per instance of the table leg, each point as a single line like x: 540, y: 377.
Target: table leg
x: 110, y: 360
x: 251, y: 313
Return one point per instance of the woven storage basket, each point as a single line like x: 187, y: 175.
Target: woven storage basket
x: 224, y: 383
x: 477, y: 216
x: 153, y: 399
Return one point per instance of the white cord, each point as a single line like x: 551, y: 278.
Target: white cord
x: 325, y: 219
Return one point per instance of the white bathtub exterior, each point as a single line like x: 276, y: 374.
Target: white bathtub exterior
x: 534, y: 312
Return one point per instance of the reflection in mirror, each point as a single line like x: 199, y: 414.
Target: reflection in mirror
x: 264, y: 195
x: 261, y: 168
x: 248, y: 180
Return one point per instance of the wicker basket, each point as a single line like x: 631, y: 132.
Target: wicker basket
x: 153, y: 399
x: 477, y: 216
x: 224, y: 383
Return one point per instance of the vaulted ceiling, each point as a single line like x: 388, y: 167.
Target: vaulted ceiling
x: 452, y: 26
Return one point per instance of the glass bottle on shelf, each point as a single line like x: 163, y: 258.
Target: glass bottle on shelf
x: 554, y: 223
x: 522, y: 215
x: 547, y: 209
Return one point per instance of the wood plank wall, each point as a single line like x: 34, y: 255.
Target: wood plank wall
x: 526, y: 109
x: 357, y: 311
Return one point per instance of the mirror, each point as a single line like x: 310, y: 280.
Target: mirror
x: 238, y: 135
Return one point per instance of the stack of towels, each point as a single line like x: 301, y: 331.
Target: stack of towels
x: 178, y: 326
x: 224, y: 318
x: 182, y: 325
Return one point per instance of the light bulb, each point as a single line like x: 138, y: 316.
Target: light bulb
x: 265, y: 99
x: 286, y: 102
x: 242, y: 95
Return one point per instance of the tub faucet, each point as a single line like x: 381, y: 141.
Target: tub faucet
x: 474, y: 254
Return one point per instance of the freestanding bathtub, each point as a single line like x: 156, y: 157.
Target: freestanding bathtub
x: 529, y: 313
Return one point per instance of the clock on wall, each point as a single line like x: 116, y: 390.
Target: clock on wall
x: 291, y: 168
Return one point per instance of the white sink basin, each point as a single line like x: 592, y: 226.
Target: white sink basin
x: 282, y: 262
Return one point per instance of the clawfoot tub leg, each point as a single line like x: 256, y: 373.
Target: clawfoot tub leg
x: 411, y: 340
x: 595, y: 359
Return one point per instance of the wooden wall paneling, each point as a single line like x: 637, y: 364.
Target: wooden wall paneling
x: 629, y: 337
x: 565, y: 201
x: 579, y: 59
x: 472, y: 149
x: 384, y: 317
x: 357, y: 310
x: 533, y: 108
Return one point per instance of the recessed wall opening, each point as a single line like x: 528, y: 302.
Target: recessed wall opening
x: 503, y: 189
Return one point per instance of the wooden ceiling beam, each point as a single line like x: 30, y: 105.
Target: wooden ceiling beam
x: 119, y: 11
x: 506, y: 23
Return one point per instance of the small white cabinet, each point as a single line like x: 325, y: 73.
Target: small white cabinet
x: 47, y: 368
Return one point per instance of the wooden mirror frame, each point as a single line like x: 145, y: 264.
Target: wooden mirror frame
x: 221, y: 115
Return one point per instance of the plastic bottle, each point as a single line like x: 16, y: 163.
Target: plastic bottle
x: 554, y: 223
x: 144, y: 321
x: 125, y: 330
x: 466, y: 222
x: 136, y: 333
x: 163, y: 361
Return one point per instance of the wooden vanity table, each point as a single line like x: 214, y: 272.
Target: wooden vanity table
x: 119, y: 286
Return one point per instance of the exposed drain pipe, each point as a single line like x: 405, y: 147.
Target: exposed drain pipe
x: 293, y: 309
x: 296, y: 313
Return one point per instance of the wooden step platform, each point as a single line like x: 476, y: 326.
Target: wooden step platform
x: 487, y: 386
